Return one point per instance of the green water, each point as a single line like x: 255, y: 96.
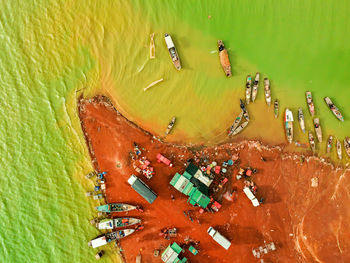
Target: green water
x: 51, y: 49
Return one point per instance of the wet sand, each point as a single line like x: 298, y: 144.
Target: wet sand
x: 307, y: 224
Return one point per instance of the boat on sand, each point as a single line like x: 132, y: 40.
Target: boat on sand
x: 318, y: 129
x: 288, y: 121
x: 301, y: 119
x: 255, y: 86
x: 310, y: 103
x: 275, y: 108
x: 115, y: 207
x: 329, y: 143
x: 334, y: 109
x: 170, y: 126
x: 172, y: 51
x: 109, y: 237
x: 267, y: 91
x: 339, y: 150
x: 248, y: 89
x: 117, y: 222
x: 235, y: 123
x: 224, y: 60
x: 312, y: 142
x: 347, y: 146
x: 244, y: 109
x: 240, y: 128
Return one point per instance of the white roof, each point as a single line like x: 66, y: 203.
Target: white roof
x: 255, y: 202
x: 169, y: 42
x: 169, y: 256
x: 97, y: 242
x: 248, y: 193
x: 132, y: 179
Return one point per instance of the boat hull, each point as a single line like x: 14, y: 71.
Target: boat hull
x: 240, y: 128
x: 235, y: 123
x: 339, y: 150
x: 301, y: 120
x: 288, y: 120
x: 248, y: 89
x: 318, y: 129
x: 172, y: 51
x: 117, y: 223
x: 255, y: 86
x: 329, y: 144
x: 115, y: 207
x: 310, y: 103
x: 312, y: 142
x: 224, y: 59
x: 334, y: 109
x: 267, y: 91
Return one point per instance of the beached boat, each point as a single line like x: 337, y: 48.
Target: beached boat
x: 275, y: 107
x: 224, y: 60
x: 318, y: 129
x: 152, y: 47
x: 240, y: 128
x: 115, y: 207
x: 244, y: 109
x: 109, y: 237
x: 312, y: 142
x: 172, y: 51
x: 235, y: 123
x: 288, y: 121
x: 267, y: 91
x: 170, y: 126
x: 329, y: 143
x: 255, y: 86
x: 339, y: 150
x: 334, y: 109
x: 347, y: 146
x: 248, y: 89
x: 301, y: 119
x: 117, y: 222
x: 310, y: 103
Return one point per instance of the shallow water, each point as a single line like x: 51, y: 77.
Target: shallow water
x: 49, y: 50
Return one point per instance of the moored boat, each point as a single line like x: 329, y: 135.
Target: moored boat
x: 235, y: 123
x: 240, y: 128
x: 267, y: 91
x: 329, y: 143
x: 244, y: 109
x: 117, y: 222
x: 301, y: 119
x: 347, y: 147
x: 255, y: 86
x: 248, y: 89
x: 275, y: 107
x: 312, y: 142
x: 172, y: 51
x: 109, y: 237
x: 310, y: 103
x: 152, y: 47
x: 224, y: 60
x: 339, y: 150
x: 318, y: 129
x: 170, y: 126
x: 115, y: 207
x: 288, y: 121
x: 334, y: 109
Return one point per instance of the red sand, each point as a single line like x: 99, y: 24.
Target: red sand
x: 307, y: 224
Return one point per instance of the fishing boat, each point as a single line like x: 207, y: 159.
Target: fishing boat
x: 170, y: 126
x: 310, y: 103
x: 329, y: 143
x: 224, y: 60
x: 255, y: 86
x: 172, y: 51
x: 334, y: 109
x: 109, y: 237
x: 244, y: 109
x: 339, y: 150
x: 318, y: 129
x: 115, y: 207
x: 275, y: 106
x: 347, y: 146
x: 312, y: 142
x: 301, y: 119
x: 288, y: 120
x: 117, y: 222
x: 235, y: 123
x: 248, y: 89
x: 152, y: 47
x: 240, y: 128
x: 267, y: 91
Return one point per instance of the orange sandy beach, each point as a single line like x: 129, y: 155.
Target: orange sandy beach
x: 306, y: 200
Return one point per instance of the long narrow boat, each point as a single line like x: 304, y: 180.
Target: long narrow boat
x: 347, y: 146
x: 312, y: 142
x: 275, y: 107
x: 288, y: 121
x: 240, y: 128
x: 339, y: 150
x: 248, y: 89
x: 115, y: 207
x: 235, y: 123
x: 244, y: 109
x: 267, y: 91
x: 318, y: 129
x: 301, y: 119
x: 117, y: 222
x: 172, y: 51
x: 152, y: 47
x: 334, y: 109
x: 255, y: 86
x: 109, y: 237
x: 310, y: 103
x: 329, y: 143
x: 224, y: 60
x: 170, y: 126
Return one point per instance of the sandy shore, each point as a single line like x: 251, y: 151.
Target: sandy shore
x: 305, y: 211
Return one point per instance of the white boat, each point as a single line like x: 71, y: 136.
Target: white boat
x: 310, y: 103
x: 267, y: 91
x: 248, y: 89
x: 172, y: 51
x: 288, y: 122
x: 235, y: 123
x: 240, y: 128
x: 318, y: 129
x: 301, y: 119
x: 117, y: 222
x: 255, y: 86
x: 109, y: 237
x: 339, y: 150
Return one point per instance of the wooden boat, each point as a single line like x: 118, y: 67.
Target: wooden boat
x: 235, y: 123
x: 312, y: 142
x: 310, y: 103
x: 329, y: 143
x: 318, y: 129
x: 115, y: 207
x: 267, y: 91
x: 255, y: 86
x: 170, y: 126
x: 172, y: 51
x: 152, y: 84
x: 224, y: 60
x: 109, y: 237
x: 152, y: 47
x: 244, y: 109
x: 334, y: 109
x: 117, y: 222
x: 347, y: 146
x: 275, y: 106
x: 240, y: 128
x: 288, y: 121
x: 339, y: 150
x: 301, y: 119
x: 248, y: 89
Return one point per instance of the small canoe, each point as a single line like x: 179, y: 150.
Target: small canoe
x: 312, y: 142
x: 235, y: 123
x: 255, y: 86
x: 288, y: 121
x: 172, y: 51
x: 301, y: 119
x: 329, y: 143
x: 267, y: 91
x: 248, y: 89
x: 347, y: 147
x: 339, y: 150
x: 224, y: 60
x: 152, y: 47
x: 310, y: 103
x: 117, y: 222
x: 115, y: 207
x: 334, y: 109
x: 318, y: 129
x: 275, y: 107
x: 244, y: 109
x: 240, y: 128
x: 170, y: 126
